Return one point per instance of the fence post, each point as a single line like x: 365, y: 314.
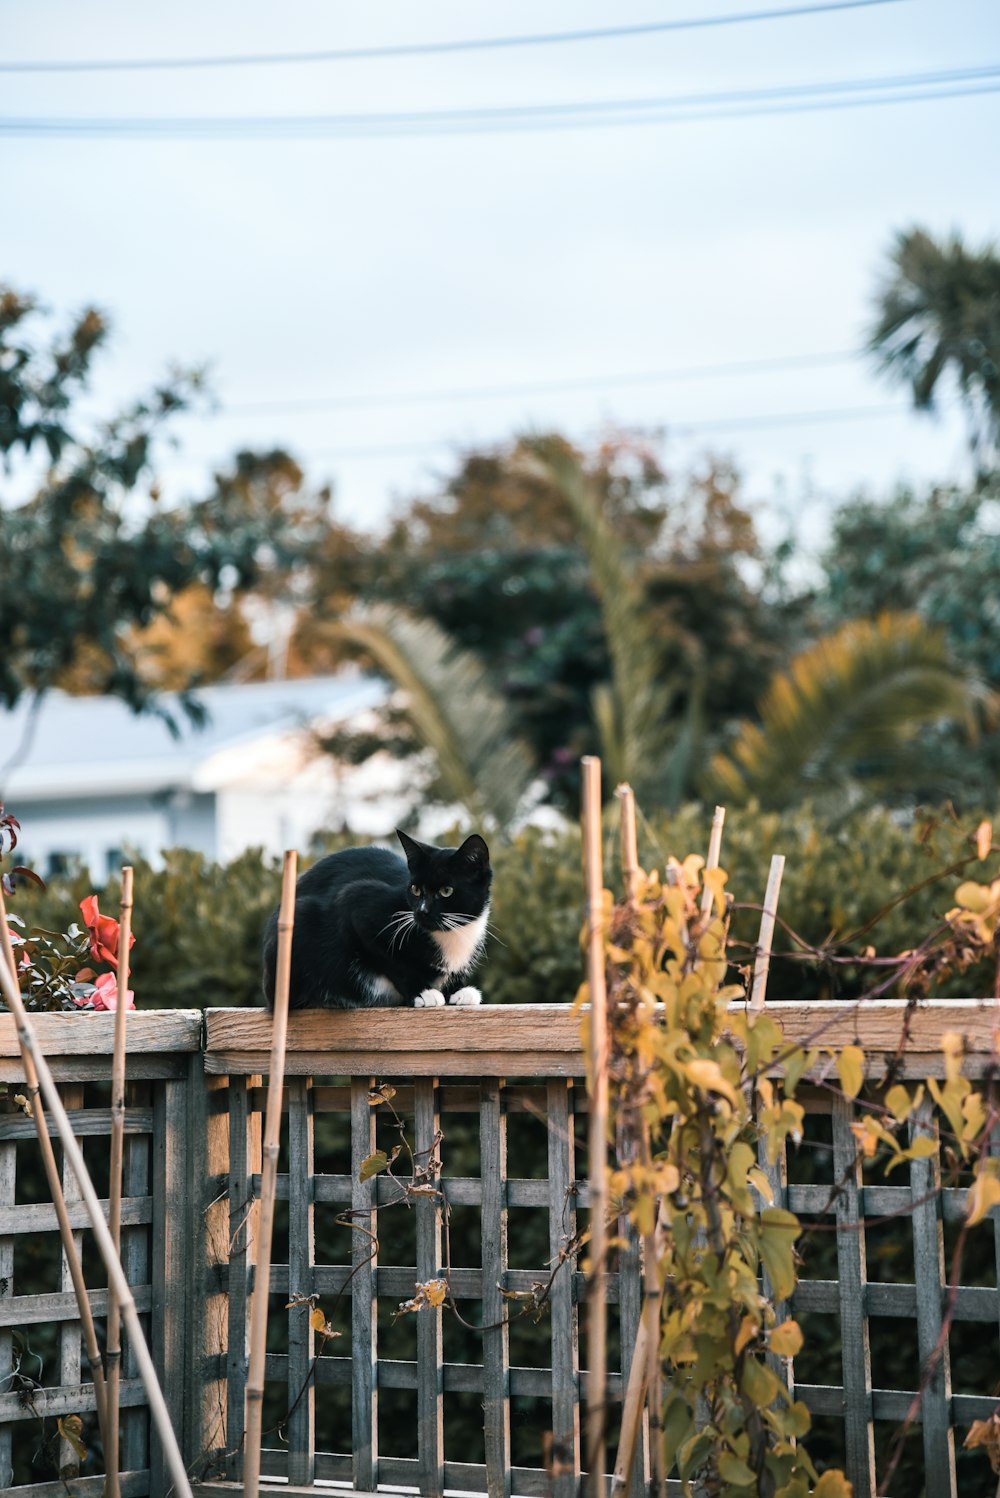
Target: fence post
x: 208, y: 1251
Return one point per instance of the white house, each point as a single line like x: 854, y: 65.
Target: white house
x: 89, y: 780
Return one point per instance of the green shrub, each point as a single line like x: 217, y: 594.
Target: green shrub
x: 198, y: 924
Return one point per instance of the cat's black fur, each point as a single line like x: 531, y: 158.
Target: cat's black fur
x: 374, y: 929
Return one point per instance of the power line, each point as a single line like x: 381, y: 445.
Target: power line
x: 425, y: 49
x: 536, y: 387
x: 761, y: 422
x: 842, y: 94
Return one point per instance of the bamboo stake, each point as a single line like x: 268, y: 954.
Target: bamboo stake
x: 597, y: 1305
x: 71, y: 1148
x: 268, y: 1185
x: 113, y: 1341
x: 762, y: 962
x: 58, y: 1199
x: 630, y: 847
x: 644, y: 1374
x: 714, y: 853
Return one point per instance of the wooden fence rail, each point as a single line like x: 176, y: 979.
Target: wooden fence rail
x: 416, y: 1398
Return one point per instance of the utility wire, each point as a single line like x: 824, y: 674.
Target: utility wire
x: 761, y: 422
x: 787, y: 99
x: 537, y: 387
x: 426, y: 49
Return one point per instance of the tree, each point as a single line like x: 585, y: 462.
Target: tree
x: 499, y: 560
x: 90, y: 558
x: 937, y: 318
x: 839, y: 726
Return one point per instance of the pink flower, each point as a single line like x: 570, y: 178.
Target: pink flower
x: 106, y: 996
x: 104, y: 932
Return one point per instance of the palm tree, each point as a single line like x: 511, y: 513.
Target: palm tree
x: 938, y: 317
x: 453, y: 707
x: 840, y: 724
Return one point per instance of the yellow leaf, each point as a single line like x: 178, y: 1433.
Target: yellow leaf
x: 372, y: 1164
x: 851, y: 1069
x: 758, y: 1179
x: 984, y: 1193
x: 778, y: 1231
x: 786, y: 1339
x: 900, y: 1103
x: 984, y: 840
x: 833, y: 1485
x: 317, y: 1320
x: 746, y: 1333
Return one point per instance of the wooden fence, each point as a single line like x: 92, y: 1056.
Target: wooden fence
x: 418, y: 1399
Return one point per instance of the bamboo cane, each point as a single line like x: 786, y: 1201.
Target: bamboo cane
x: 71, y: 1148
x: 630, y: 847
x: 714, y: 853
x: 113, y: 1342
x: 268, y: 1184
x: 644, y: 1373
x: 59, y: 1200
x: 762, y: 962
x: 597, y: 1305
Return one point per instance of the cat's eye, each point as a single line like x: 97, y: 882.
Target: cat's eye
x: 414, y: 889
x: 446, y: 892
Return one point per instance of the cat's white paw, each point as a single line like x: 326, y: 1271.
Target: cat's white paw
x: 431, y: 998
x: 466, y: 997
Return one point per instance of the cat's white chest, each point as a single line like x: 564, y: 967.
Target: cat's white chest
x: 459, y: 947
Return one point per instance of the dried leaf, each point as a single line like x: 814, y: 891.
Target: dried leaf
x: 372, y: 1164
x: 984, y: 840
x: 70, y: 1427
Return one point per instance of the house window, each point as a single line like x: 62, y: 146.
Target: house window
x: 61, y: 862
x: 113, y: 860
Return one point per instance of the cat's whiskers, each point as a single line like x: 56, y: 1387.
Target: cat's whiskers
x: 400, y: 926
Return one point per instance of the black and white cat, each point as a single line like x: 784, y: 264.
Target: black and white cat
x: 373, y: 929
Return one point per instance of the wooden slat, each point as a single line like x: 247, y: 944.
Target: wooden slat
x: 54, y: 1305
x: 85, y: 1123
x: 543, y: 1040
x: 301, y: 1256
x: 73, y: 1399
x: 40, y: 1217
x: 930, y: 1280
x: 131, y: 1485
x: 364, y: 1327
x: 158, y: 1066
x: 69, y: 1331
x: 777, y: 1178
x: 430, y: 1331
x: 458, y: 1378
x: 244, y: 1160
x: 565, y: 1319
x: 164, y: 1030
x: 136, y: 1181
x: 171, y: 1184
x: 972, y: 1302
x: 8, y: 1182
x: 496, y: 1339
x: 208, y: 1234
x: 851, y: 1264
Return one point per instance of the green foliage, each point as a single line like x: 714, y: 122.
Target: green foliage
x: 841, y: 722
x: 88, y: 558
x: 198, y: 925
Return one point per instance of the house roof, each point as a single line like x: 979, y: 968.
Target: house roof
x: 88, y: 746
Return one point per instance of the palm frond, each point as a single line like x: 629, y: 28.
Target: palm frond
x: 453, y: 706
x: 855, y: 699
x: 632, y: 712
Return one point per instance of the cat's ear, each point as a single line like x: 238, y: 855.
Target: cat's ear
x: 473, y: 853
x: 411, y: 847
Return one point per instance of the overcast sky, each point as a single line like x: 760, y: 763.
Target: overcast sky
x: 313, y: 270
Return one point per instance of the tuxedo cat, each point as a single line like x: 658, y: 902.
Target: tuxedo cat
x: 373, y: 929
